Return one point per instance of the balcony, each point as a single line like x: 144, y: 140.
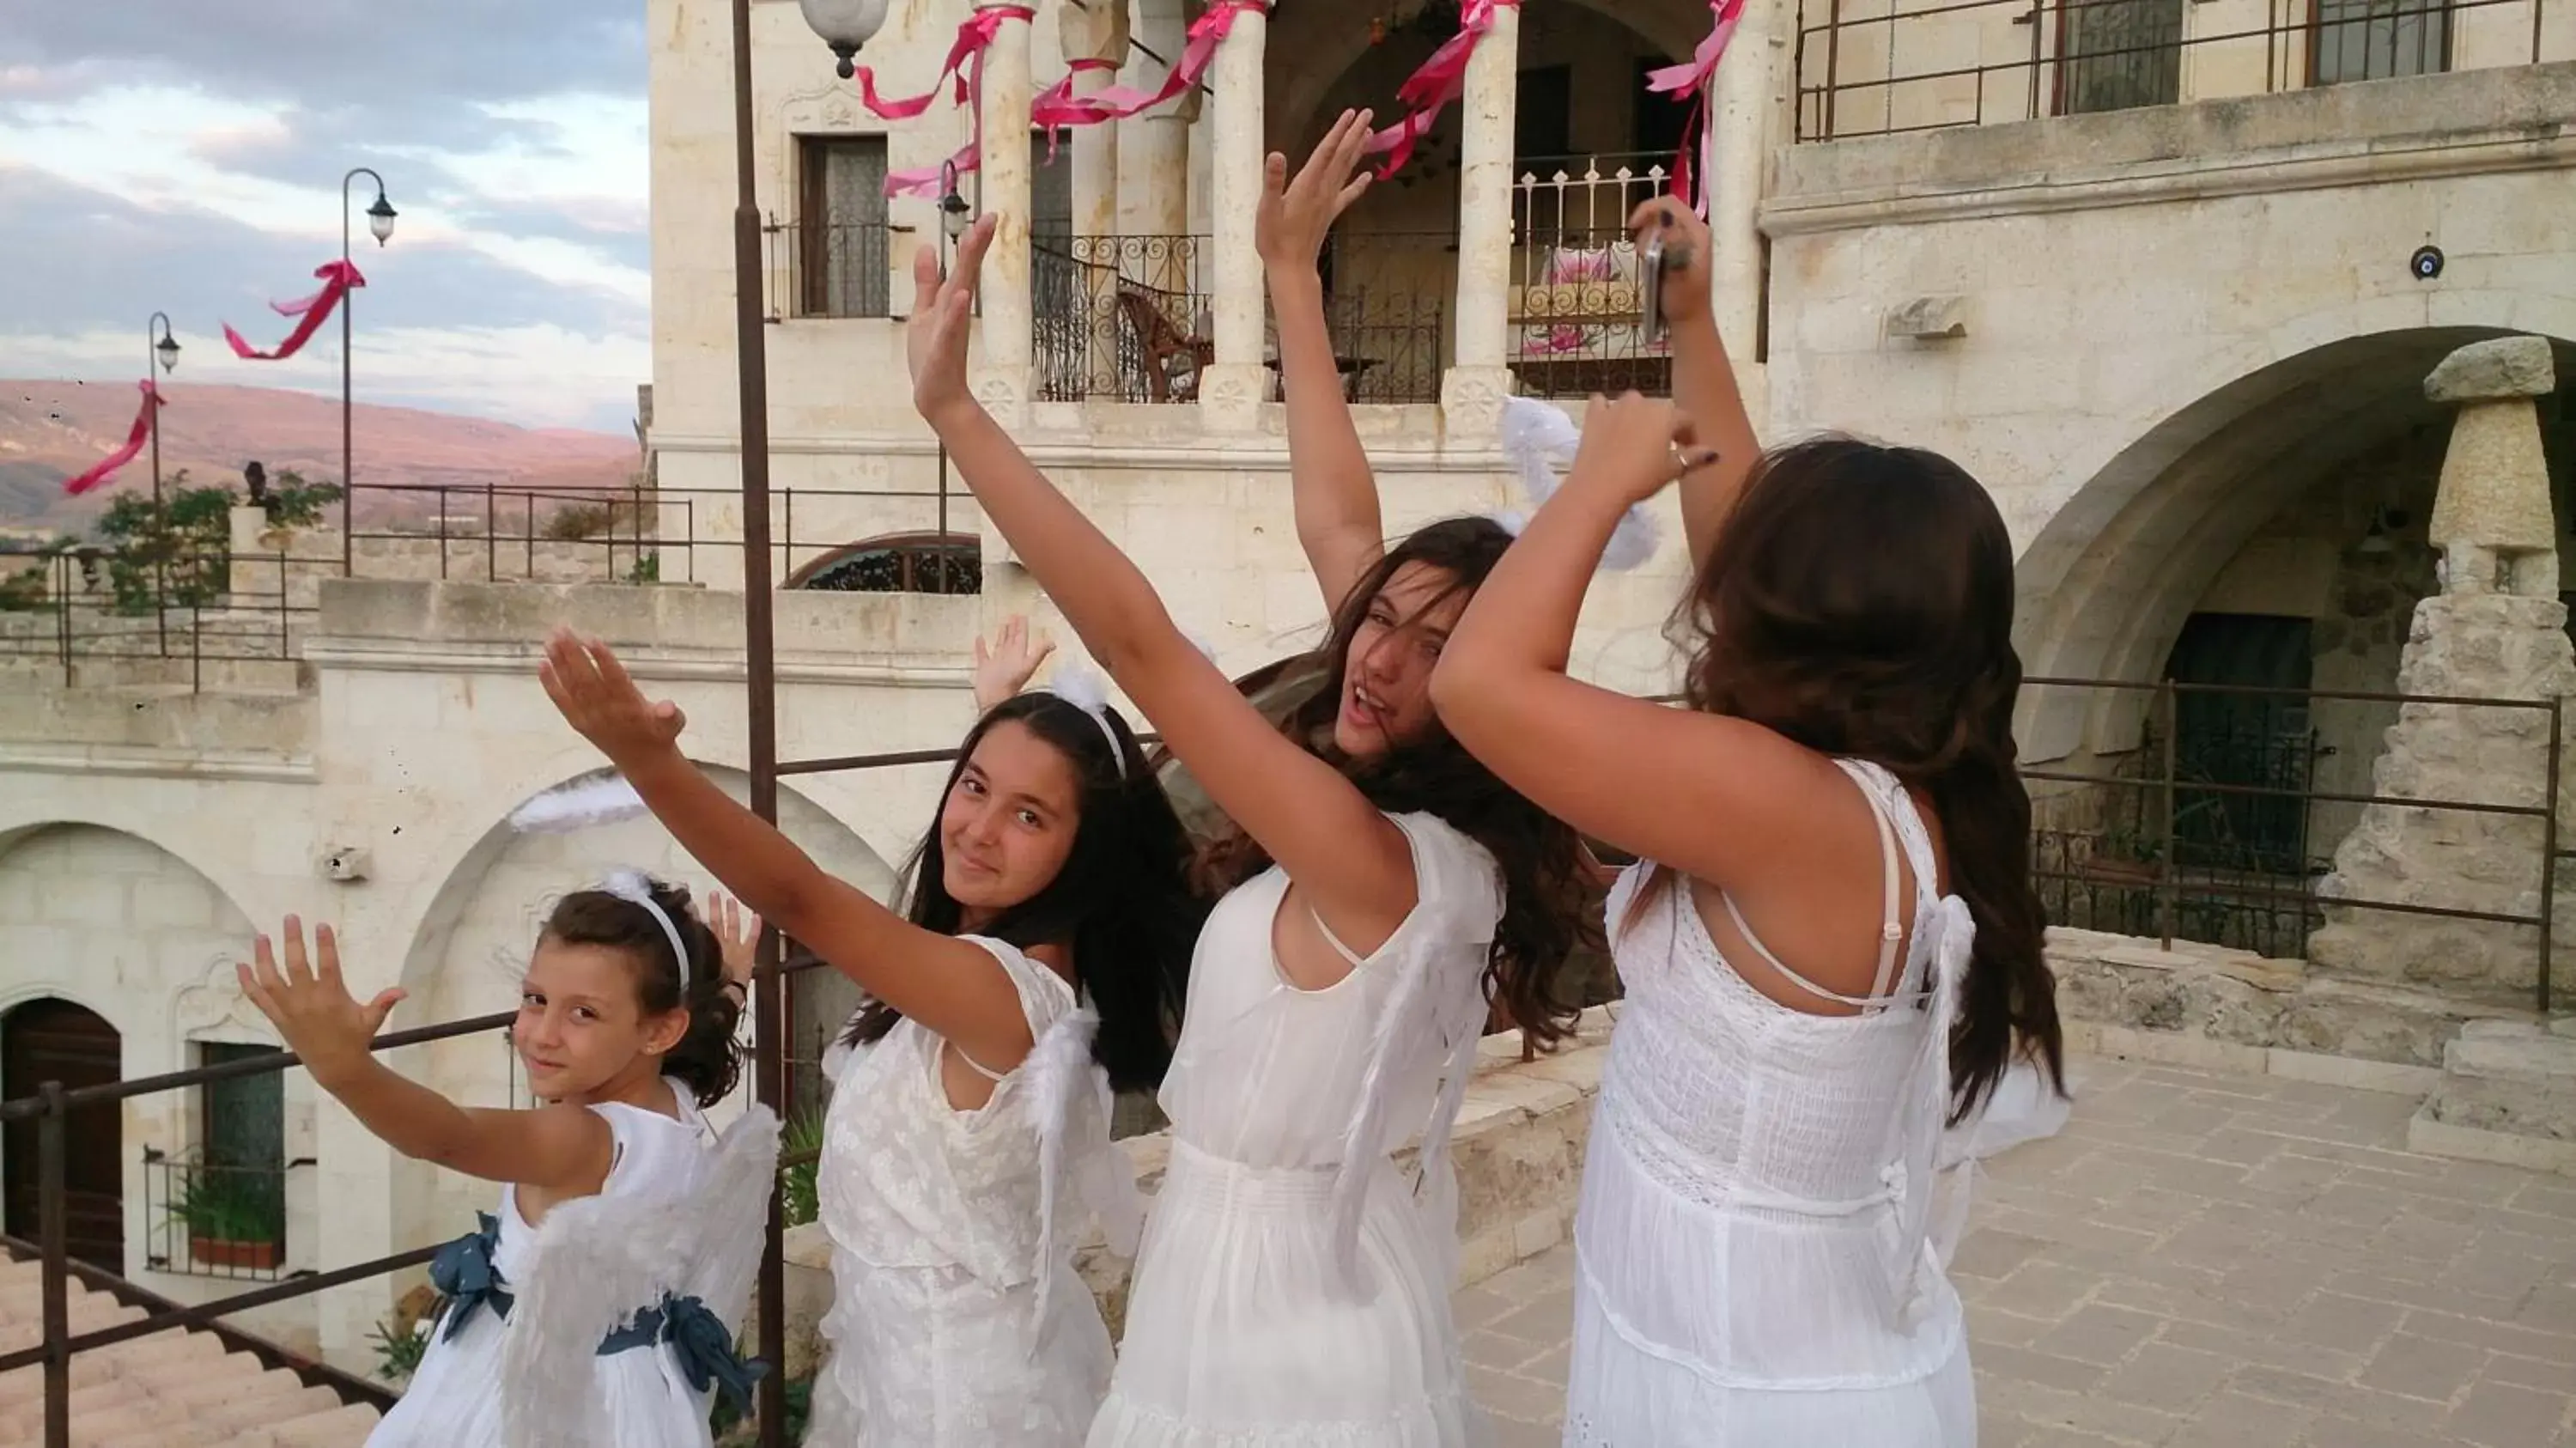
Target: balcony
x: 215, y: 1219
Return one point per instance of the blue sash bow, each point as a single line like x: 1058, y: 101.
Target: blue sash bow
x: 463, y: 1274
x: 705, y: 1347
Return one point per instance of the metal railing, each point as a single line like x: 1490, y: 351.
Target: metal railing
x: 2070, y: 57
x: 831, y: 266
x: 264, y: 599
x: 1576, y: 315
x: 2196, y: 836
x: 1386, y: 307
x: 215, y: 1219
x: 1119, y: 318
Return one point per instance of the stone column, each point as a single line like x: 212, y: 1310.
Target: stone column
x: 1004, y: 349
x: 1473, y: 389
x: 1154, y: 148
x: 1231, y: 390
x: 2496, y: 631
x: 1099, y: 33
x: 1741, y: 108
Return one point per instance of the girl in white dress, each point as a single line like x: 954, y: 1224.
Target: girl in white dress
x: 1040, y: 963
x: 596, y: 1305
x: 1830, y: 946
x: 1293, y: 1288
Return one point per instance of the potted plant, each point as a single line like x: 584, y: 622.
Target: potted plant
x: 236, y: 1219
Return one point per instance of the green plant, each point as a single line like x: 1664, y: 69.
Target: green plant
x: 576, y: 521
x: 398, y: 1352
x: 647, y: 569
x: 295, y: 503
x: 23, y: 591
x: 802, y: 1145
x: 175, y: 550
x: 223, y: 1204
x: 731, y: 1427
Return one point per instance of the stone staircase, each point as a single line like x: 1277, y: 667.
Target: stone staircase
x: 2507, y: 1094
x: 164, y: 1390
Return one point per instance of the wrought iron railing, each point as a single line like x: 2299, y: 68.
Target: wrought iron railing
x: 1576, y: 322
x: 1119, y: 318
x: 1889, y: 71
x: 215, y: 1219
x: 831, y: 266
x: 1386, y: 306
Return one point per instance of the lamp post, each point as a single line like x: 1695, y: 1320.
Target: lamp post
x: 954, y: 217
x: 380, y: 224
x: 845, y: 26
x: 161, y: 355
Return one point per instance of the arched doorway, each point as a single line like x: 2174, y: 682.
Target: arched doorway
x: 899, y: 563
x: 55, y: 1040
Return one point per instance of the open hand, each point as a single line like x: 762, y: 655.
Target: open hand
x: 737, y: 933
x: 595, y: 696
x: 1685, y: 289
x: 1005, y: 663
x: 1289, y: 227
x: 934, y: 338
x: 323, y: 1024
x: 1637, y: 446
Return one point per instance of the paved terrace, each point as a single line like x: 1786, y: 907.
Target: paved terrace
x: 2208, y: 1261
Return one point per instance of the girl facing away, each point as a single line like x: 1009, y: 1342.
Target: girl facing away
x: 1844, y: 962
x: 1044, y: 948
x: 1293, y: 1287
x: 597, y: 1303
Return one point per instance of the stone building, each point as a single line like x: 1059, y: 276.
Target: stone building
x: 2162, y: 282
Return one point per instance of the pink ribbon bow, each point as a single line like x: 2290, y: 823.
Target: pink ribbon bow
x: 1693, y: 76
x: 1442, y: 79
x: 1058, y: 108
x: 339, y: 278
x: 964, y: 67
x: 107, y: 466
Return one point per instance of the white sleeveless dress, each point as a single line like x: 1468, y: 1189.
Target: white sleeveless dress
x: 1293, y: 1288
x: 957, y: 1318
x: 1753, y: 1243
x: 602, y: 1325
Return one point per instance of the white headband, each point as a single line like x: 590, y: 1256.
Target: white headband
x: 632, y: 887
x: 1089, y: 692
x: 1538, y: 439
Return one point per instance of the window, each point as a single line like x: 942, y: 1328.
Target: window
x: 221, y: 1208
x: 2246, y: 740
x: 1543, y: 114
x: 2380, y: 39
x: 842, y: 251
x: 912, y: 563
x: 2118, y: 54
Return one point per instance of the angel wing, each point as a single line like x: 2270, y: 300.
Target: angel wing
x: 1070, y: 1097
x: 1540, y: 439
x: 599, y: 800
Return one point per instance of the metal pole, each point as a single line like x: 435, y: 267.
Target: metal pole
x: 2165, y: 856
x: 760, y: 677
x: 56, y: 1287
x: 348, y: 471
x: 160, y: 514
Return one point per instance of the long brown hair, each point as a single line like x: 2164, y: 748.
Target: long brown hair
x: 1859, y: 601
x: 1544, y: 915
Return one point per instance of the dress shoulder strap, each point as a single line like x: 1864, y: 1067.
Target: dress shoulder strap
x: 1891, y: 927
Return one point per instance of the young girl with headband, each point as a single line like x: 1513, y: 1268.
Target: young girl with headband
x: 597, y: 1304
x: 1038, y: 963
x: 1294, y: 1286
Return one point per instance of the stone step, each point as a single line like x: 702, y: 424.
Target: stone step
x: 2508, y: 1094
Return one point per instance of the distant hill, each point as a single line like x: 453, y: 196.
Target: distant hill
x: 51, y: 430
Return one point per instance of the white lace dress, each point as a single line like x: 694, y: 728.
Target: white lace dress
x: 957, y: 1319
x: 1293, y: 1288
x: 1754, y: 1240
x: 613, y: 1321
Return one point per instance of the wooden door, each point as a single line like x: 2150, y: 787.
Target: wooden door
x: 54, y: 1040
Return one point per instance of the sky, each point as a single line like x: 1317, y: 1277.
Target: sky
x: 186, y: 157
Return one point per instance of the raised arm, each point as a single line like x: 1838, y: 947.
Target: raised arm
x: 563, y: 1149
x: 1708, y: 795
x: 1335, y: 491
x: 1704, y: 385
x: 1006, y: 662
x: 953, y: 988
x: 1351, y: 861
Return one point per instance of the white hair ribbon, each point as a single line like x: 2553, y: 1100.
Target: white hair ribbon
x: 632, y: 887
x: 1089, y: 692
x: 1539, y: 439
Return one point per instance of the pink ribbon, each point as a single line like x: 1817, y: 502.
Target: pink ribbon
x: 339, y: 278
x: 1693, y: 76
x: 1059, y: 109
x: 964, y: 67
x: 108, y: 466
x: 1442, y: 79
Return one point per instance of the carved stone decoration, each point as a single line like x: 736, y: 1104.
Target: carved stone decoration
x: 2492, y: 517
x: 1471, y: 401
x: 216, y: 1004
x: 1230, y: 396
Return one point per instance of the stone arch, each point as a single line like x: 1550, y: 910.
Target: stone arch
x: 2136, y: 532
x: 462, y: 958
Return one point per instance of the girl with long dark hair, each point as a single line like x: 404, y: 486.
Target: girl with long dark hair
x: 1830, y: 946
x: 1038, y: 963
x: 1293, y: 1286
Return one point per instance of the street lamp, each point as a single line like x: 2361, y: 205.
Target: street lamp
x: 844, y: 25
x: 954, y: 217
x: 380, y: 224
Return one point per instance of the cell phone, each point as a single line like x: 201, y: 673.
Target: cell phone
x: 1650, y: 285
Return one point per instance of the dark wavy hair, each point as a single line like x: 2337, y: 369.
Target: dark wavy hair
x: 1121, y: 904
x: 1545, y: 886
x: 1859, y: 601
x: 707, y: 1059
